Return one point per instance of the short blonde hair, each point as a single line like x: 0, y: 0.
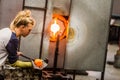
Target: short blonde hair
x: 22, y: 18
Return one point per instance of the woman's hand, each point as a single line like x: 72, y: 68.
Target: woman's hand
x: 19, y: 53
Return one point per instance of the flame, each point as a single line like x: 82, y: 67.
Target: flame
x: 55, y: 27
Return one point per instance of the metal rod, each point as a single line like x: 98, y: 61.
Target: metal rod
x: 56, y: 55
x: 20, y: 37
x: 41, y: 43
x: 103, y: 72
x: 35, y: 8
x: 74, y: 74
x: 26, y: 57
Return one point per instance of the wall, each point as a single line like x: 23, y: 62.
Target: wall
x: 89, y: 20
x: 8, y: 10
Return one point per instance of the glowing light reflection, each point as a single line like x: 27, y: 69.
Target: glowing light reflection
x: 55, y: 27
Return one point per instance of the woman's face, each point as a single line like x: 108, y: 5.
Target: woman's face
x: 26, y: 30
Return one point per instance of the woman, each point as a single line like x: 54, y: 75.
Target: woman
x: 20, y: 26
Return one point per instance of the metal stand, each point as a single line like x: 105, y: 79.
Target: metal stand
x: 103, y: 72
x: 55, y: 75
x: 56, y: 55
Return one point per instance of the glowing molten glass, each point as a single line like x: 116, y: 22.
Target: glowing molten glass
x: 55, y: 27
x: 38, y: 62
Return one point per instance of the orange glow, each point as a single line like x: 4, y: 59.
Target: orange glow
x: 55, y: 27
x: 38, y: 62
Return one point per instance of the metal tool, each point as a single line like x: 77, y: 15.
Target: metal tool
x: 45, y: 60
x: 27, y: 57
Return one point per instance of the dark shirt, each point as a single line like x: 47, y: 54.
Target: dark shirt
x: 12, y: 48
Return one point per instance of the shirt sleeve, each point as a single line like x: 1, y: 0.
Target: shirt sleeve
x: 12, y: 50
x: 22, y: 64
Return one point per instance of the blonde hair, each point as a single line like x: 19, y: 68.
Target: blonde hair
x: 22, y: 18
